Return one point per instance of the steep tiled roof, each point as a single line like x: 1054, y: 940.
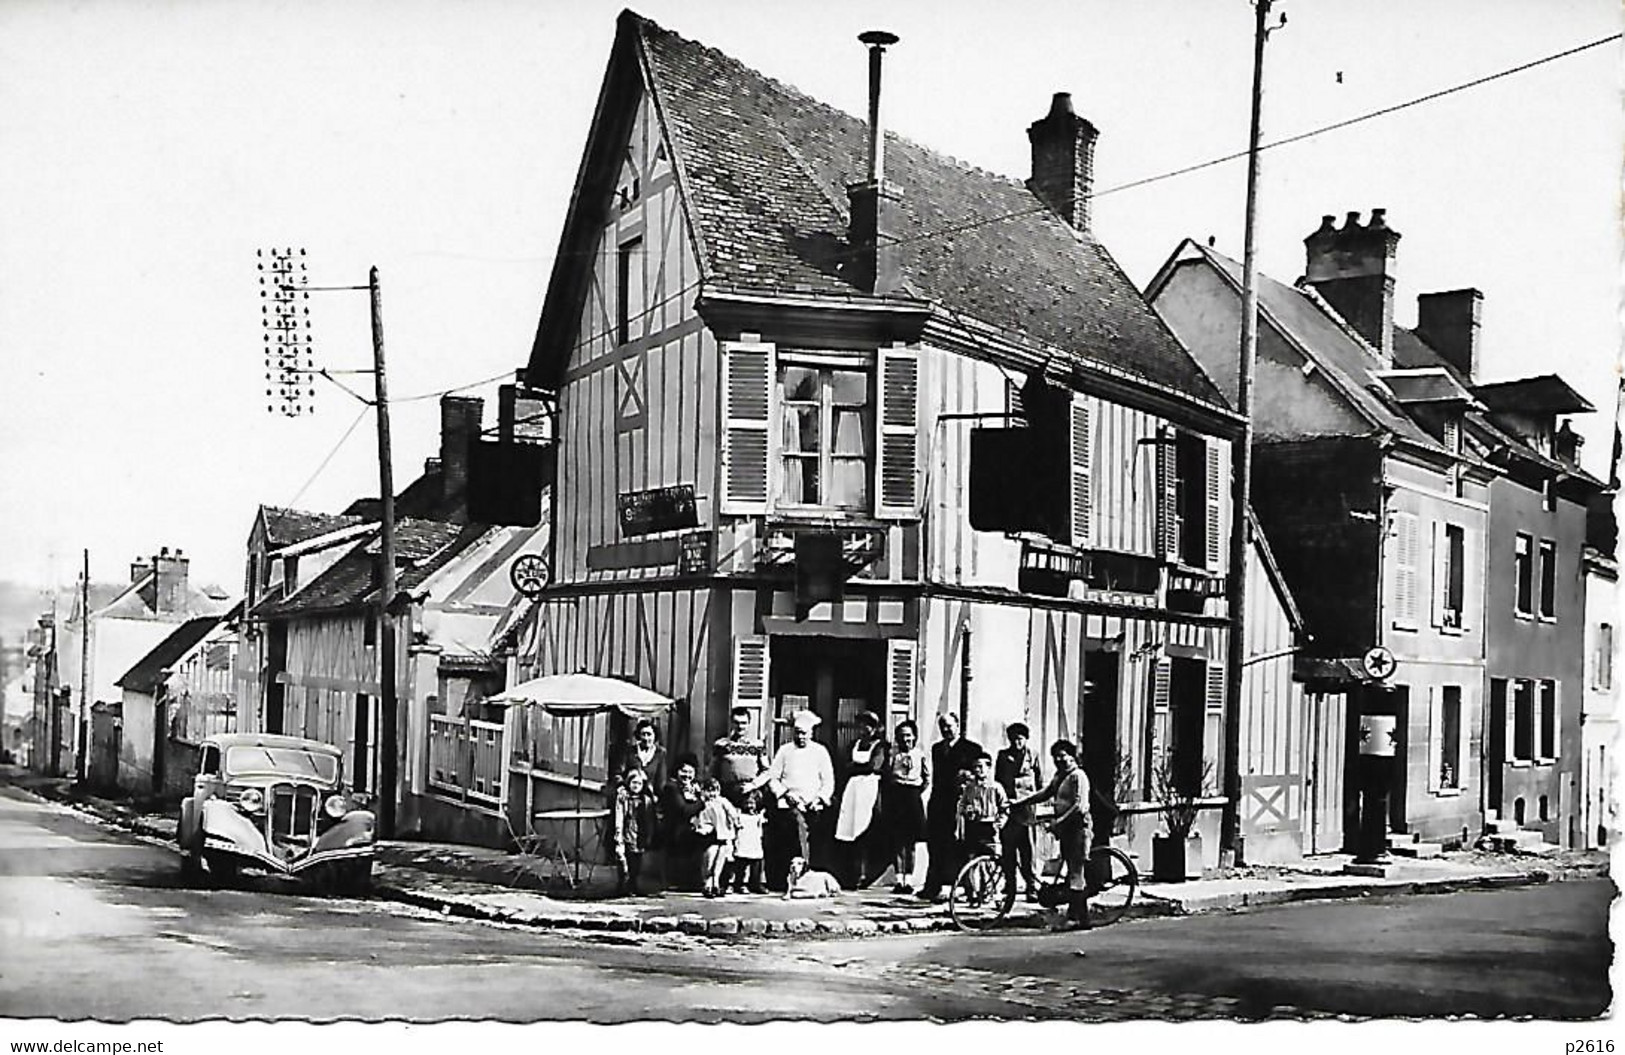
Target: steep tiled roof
x: 1311, y: 325
x: 764, y: 169
x: 422, y: 547
x: 284, y: 527
x: 148, y: 671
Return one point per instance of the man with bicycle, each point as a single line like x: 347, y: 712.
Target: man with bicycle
x: 1072, y: 827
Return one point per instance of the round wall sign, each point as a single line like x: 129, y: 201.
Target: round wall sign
x: 1379, y: 663
x: 529, y: 574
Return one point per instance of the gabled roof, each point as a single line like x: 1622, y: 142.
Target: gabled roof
x: 284, y: 527
x: 148, y: 673
x: 763, y: 169
x: 1315, y: 330
x: 422, y: 547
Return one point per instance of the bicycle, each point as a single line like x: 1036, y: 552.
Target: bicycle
x: 983, y: 894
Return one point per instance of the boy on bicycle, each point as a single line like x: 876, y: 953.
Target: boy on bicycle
x: 983, y: 810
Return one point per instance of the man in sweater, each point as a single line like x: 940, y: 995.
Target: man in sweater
x: 738, y: 758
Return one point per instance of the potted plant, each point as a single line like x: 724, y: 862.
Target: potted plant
x: 1176, y: 854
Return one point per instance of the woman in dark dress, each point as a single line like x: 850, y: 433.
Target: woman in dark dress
x: 903, y: 781
x: 645, y: 753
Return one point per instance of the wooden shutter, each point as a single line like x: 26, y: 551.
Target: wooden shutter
x: 1213, y: 729
x: 1471, y: 585
x: 1435, y: 731
x: 1441, y: 574
x: 1464, y: 729
x: 1082, y: 459
x: 900, y: 681
x: 1405, y: 570
x: 750, y: 674
x: 748, y: 368
x: 1161, y: 679
x: 897, y: 466
x: 1216, y: 498
x: 1167, y: 496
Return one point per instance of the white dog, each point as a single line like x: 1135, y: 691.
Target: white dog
x: 804, y: 882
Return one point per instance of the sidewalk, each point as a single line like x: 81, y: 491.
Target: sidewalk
x: 480, y: 883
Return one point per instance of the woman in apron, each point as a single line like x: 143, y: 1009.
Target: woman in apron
x: 855, y: 824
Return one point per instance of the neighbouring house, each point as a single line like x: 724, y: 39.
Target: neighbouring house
x: 823, y: 444
x: 1600, y: 712
x: 174, y: 696
x: 311, y: 663
x: 124, y: 623
x: 1416, y: 510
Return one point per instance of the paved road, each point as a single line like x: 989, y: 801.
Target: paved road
x: 95, y: 925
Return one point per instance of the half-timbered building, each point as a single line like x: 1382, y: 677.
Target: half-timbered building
x: 790, y: 352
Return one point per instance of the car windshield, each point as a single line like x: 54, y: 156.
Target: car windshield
x: 282, y: 761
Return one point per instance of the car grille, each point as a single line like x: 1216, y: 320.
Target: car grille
x: 290, y: 814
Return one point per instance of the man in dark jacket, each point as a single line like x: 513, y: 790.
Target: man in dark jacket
x: 952, y: 760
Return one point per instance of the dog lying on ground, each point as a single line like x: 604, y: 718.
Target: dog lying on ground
x: 804, y: 882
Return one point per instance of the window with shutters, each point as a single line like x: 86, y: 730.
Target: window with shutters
x: 826, y: 439
x: 1185, y: 499
x: 1548, y: 579
x: 1407, y: 571
x: 1523, y: 562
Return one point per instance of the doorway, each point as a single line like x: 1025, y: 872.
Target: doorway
x: 836, y: 678
x: 1496, y: 752
x: 1098, y: 727
x: 1399, y: 705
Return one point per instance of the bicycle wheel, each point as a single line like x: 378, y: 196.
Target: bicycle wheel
x: 980, y: 896
x: 1114, y: 880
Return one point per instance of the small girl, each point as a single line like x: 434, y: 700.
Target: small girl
x: 716, y: 824
x: 746, y: 866
x: 634, y: 828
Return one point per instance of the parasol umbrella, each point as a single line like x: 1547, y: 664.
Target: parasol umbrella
x: 583, y: 695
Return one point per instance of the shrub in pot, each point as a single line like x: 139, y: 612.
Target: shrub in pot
x: 1176, y: 853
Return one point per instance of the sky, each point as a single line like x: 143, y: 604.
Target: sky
x: 148, y: 149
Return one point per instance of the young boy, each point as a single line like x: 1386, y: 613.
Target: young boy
x: 716, y: 823
x: 983, y: 810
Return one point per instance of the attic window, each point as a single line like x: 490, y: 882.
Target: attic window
x: 628, y: 289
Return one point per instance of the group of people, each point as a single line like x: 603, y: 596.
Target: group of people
x: 739, y: 827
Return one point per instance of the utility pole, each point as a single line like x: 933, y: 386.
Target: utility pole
x: 388, y: 732
x: 82, y: 732
x: 1230, y: 845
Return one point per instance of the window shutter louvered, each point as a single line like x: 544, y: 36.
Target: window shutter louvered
x: 1082, y: 460
x: 899, y: 681
x: 1215, y: 506
x: 1510, y: 751
x: 750, y: 674
x: 747, y: 432
x: 1435, y: 754
x: 1470, y: 585
x: 1405, y: 570
x: 1213, y: 729
x: 1161, y: 678
x: 1464, y: 732
x: 1441, y: 574
x: 896, y: 468
x: 1167, y: 497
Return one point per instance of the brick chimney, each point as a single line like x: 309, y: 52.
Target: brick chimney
x: 876, y: 212
x: 1448, y: 322
x: 1352, y: 268
x: 459, y: 430
x: 1566, y: 445
x: 170, y: 595
x: 1063, y: 161
x: 139, y: 569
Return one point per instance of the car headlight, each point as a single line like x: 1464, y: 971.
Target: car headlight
x: 252, y: 800
x: 336, y: 806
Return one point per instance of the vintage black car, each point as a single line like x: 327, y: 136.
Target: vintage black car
x: 276, y: 803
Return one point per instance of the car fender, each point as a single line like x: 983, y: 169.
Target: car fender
x: 356, y: 828
x: 221, y: 820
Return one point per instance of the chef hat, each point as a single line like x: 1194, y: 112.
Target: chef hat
x: 805, y: 720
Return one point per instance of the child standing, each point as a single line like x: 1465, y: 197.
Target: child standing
x: 983, y: 810
x: 746, y: 866
x: 634, y: 825
x: 717, y: 823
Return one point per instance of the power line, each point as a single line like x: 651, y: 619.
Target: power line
x: 292, y: 502
x: 983, y: 221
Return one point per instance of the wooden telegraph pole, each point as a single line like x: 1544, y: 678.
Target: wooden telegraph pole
x: 81, y: 736
x: 1241, y: 483
x: 388, y: 732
